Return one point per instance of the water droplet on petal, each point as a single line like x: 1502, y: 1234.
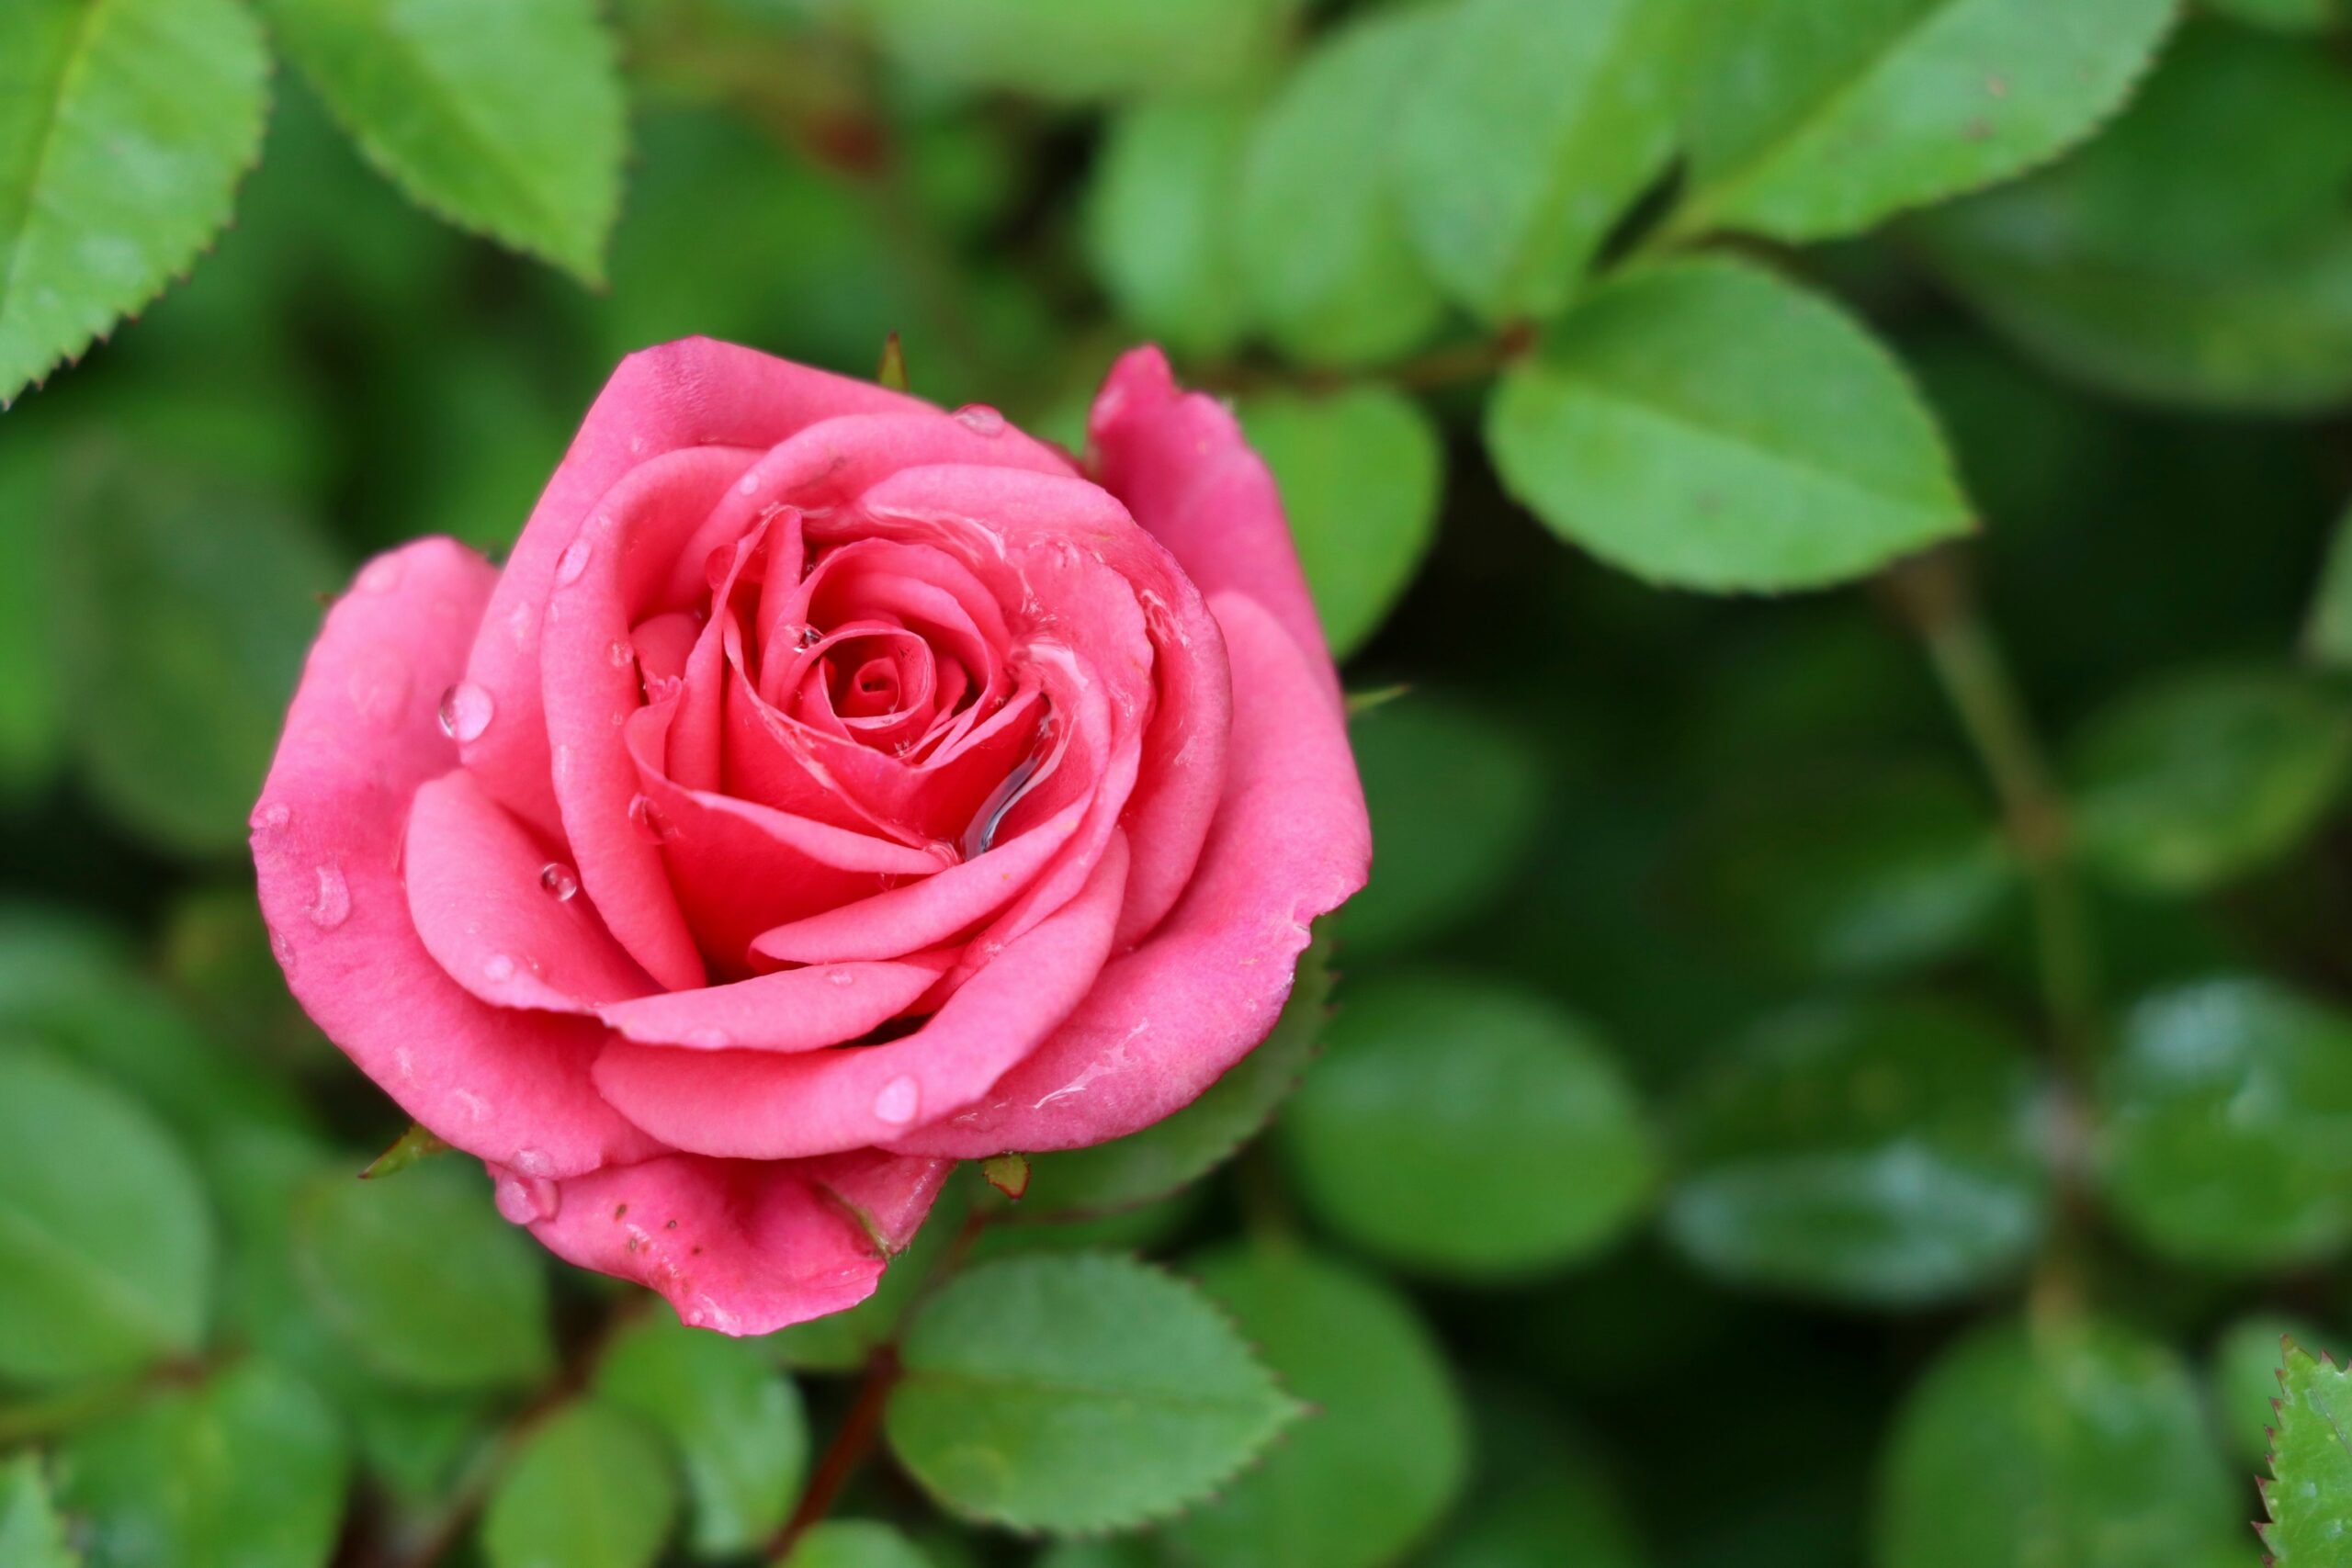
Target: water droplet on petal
x: 272, y: 816
x: 648, y: 817
x: 465, y: 711
x: 498, y: 968
x: 748, y: 484
x: 572, y: 562
x: 556, y: 882
x: 620, y: 654
x: 331, y: 905
x: 841, y: 977
x: 524, y: 1198
x: 980, y: 419
x: 896, y: 1104
x: 380, y: 575
x: 283, y: 945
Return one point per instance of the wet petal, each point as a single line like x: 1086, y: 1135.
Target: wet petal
x: 792, y: 1009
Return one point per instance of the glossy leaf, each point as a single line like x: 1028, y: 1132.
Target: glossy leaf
x: 1359, y: 471
x: 1118, y: 1175
x: 1467, y: 1128
x: 2080, y: 1443
x: 1531, y: 128
x: 1811, y: 122
x: 422, y: 1280
x: 1078, y: 48
x: 1159, y: 219
x: 2150, y: 264
x: 737, y: 1425
x: 2218, y: 1113
x: 31, y: 1535
x: 1883, y: 1153
x: 247, y: 1470
x: 433, y: 94
x: 103, y: 1218
x: 854, y: 1543
x: 2196, y: 779
x: 1074, y: 1393
x: 114, y: 174
x: 1324, y: 253
x: 2308, y: 1498
x: 588, y: 1489
x: 2248, y: 1359
x: 1707, y: 424
x: 2327, y: 629
x: 1373, y: 1469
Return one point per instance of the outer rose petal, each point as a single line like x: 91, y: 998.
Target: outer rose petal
x: 740, y: 1246
x: 1290, y: 841
x: 362, y: 736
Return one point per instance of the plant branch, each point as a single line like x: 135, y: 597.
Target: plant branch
x: 860, y: 1430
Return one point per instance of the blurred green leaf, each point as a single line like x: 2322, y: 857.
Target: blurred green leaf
x: 1456, y: 794
x: 32, y: 706
x: 1117, y: 1551
x: 1159, y: 219
x: 1532, y: 126
x: 2328, y: 631
x: 423, y: 1281
x: 31, y: 1535
x: 1076, y: 1393
x: 1882, y: 1153
x: 1540, y: 1501
x: 1181, y: 1148
x: 738, y: 1427
x: 2284, y: 15
x: 1864, y: 871
x: 1816, y: 121
x: 1708, y: 425
x: 1375, y: 1466
x: 110, y: 1244
x: 590, y: 1488
x: 1359, y: 471
x: 182, y: 610
x: 854, y: 1543
x: 113, y: 174
x: 433, y: 94
x: 1323, y: 248
x: 1080, y: 48
x: 2310, y: 1495
x: 2198, y: 778
x: 2075, y: 1443
x: 2220, y: 1112
x: 247, y: 1470
x: 2157, y: 265
x: 1465, y: 1127
x: 2246, y: 1362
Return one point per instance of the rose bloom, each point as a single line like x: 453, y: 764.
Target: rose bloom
x: 828, y: 789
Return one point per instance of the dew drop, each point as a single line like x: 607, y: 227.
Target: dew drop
x: 896, y: 1104
x: 283, y: 945
x: 556, y: 882
x: 841, y: 977
x: 498, y: 968
x: 750, y: 484
x: 380, y: 575
x: 273, y: 817
x: 980, y: 419
x: 524, y: 1198
x: 619, y: 653
x: 331, y: 906
x: 648, y: 817
x: 572, y: 562
x: 465, y: 711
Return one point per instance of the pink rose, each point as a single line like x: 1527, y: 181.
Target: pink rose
x: 828, y: 789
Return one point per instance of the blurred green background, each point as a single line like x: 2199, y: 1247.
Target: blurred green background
x: 1860, y: 1077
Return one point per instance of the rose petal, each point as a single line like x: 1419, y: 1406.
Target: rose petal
x: 792, y: 1009
x: 503, y: 1084
x: 755, y: 1105
x: 1291, y: 843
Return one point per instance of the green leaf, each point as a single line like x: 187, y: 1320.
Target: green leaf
x: 425, y: 1283
x: 1081, y: 48
x: 2308, y: 1498
x: 1159, y: 219
x: 2074, y: 1443
x: 2327, y: 629
x: 1708, y: 425
x: 1883, y: 1153
x: 2282, y: 15
x: 182, y: 612
x: 1375, y: 1467
x: 506, y: 120
x: 1179, y: 1149
x: 104, y: 1223
x: 1076, y: 1392
x: 1456, y: 794
x: 418, y: 1143
x: 32, y: 704
x: 2152, y: 265
x: 2200, y: 778
x: 246, y: 1472
x: 1816, y: 121
x: 1359, y: 471
x: 2220, y: 1114
x: 589, y: 1489
x: 1532, y: 126
x: 1329, y: 271
x: 114, y: 173
x: 1856, y: 873
x: 1466, y: 1128
x: 854, y: 1543
x: 31, y: 1535
x: 1541, y: 1502
x: 2246, y: 1362
x: 736, y: 1423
